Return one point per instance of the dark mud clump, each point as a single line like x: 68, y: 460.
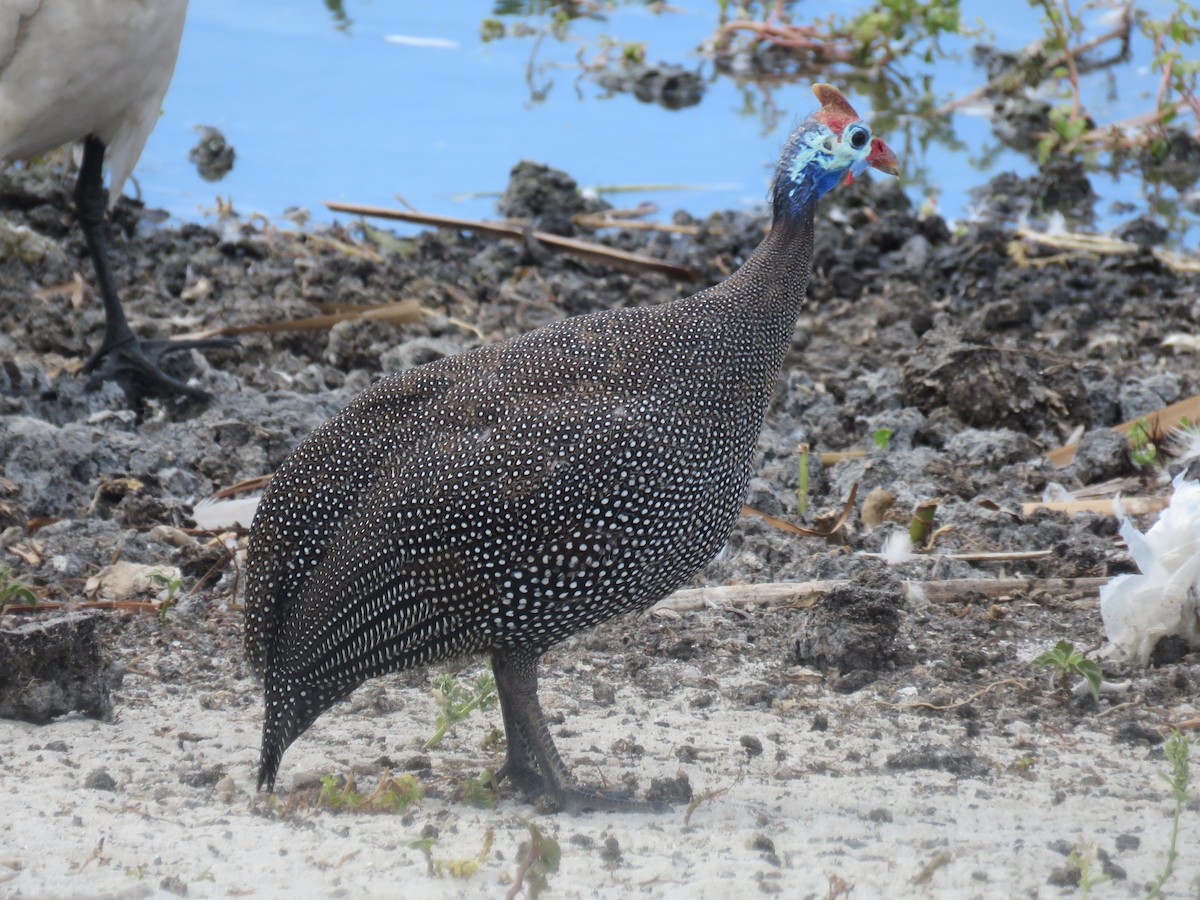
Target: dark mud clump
x: 1061, y: 186
x: 548, y: 197
x: 53, y: 667
x: 989, y: 386
x: 213, y: 155
x: 852, y: 629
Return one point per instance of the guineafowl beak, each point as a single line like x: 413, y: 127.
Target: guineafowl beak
x: 882, y: 158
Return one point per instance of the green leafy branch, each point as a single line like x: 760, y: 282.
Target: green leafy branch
x: 457, y: 702
x: 1180, y: 69
x: 1177, y: 749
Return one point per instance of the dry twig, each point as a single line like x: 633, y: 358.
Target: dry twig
x: 618, y: 259
x: 779, y: 595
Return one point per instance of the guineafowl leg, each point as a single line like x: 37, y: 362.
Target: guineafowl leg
x: 520, y: 765
x: 529, y: 741
x: 121, y: 356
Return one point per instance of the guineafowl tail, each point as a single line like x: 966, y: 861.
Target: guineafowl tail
x: 291, y: 708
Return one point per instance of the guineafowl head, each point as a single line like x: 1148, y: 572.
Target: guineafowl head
x: 831, y: 145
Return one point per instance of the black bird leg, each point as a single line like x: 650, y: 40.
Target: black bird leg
x: 520, y: 766
x: 533, y: 763
x: 121, y: 356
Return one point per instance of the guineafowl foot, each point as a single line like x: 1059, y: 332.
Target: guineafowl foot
x: 574, y: 799
x: 571, y: 797
x: 525, y: 779
x: 533, y: 763
x: 137, y: 366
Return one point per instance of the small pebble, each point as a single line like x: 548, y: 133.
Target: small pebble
x: 100, y: 780
x: 303, y: 781
x: 752, y: 744
x: 604, y: 694
x: 1128, y: 842
x: 611, y: 853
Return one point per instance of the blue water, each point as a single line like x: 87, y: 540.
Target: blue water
x: 317, y: 113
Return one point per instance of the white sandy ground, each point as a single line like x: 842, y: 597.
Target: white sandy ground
x: 823, y: 798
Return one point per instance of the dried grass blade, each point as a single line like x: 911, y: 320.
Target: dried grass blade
x: 585, y: 250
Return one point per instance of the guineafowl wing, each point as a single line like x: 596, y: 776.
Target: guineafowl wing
x: 599, y: 433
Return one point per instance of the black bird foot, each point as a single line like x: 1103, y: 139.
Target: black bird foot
x: 570, y: 798
x: 574, y: 799
x: 137, y: 366
x: 521, y: 776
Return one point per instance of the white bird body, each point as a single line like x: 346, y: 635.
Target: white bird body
x: 1164, y: 599
x: 96, y: 71
x: 74, y: 68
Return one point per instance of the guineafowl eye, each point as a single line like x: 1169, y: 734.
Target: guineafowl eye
x: 858, y: 139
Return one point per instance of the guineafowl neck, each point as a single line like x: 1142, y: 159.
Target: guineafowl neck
x: 766, y: 294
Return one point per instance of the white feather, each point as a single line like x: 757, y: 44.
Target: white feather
x: 1184, y: 443
x: 218, y: 515
x: 73, y: 68
x: 1140, y: 609
x: 898, y: 548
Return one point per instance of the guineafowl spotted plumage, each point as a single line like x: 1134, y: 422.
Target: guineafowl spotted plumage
x: 502, y: 500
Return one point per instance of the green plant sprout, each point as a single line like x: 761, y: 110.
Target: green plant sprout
x: 1177, y: 749
x: 1023, y: 765
x: 456, y: 868
x: 1083, y: 858
x: 171, y: 585
x: 478, y: 792
x: 1142, y: 448
x: 429, y: 836
x: 457, y: 702
x: 921, y: 525
x: 803, y: 464
x: 1068, y: 661
x: 468, y: 866
x: 13, y: 590
x: 390, y: 795
x: 539, y: 857
x: 882, y: 437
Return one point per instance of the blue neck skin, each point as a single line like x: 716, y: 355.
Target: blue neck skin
x: 796, y: 201
x: 813, y: 163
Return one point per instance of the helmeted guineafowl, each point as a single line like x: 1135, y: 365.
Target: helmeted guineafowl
x: 95, y: 72
x: 502, y: 500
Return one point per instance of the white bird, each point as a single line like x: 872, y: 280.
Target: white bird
x: 94, y: 71
x: 1164, y: 599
